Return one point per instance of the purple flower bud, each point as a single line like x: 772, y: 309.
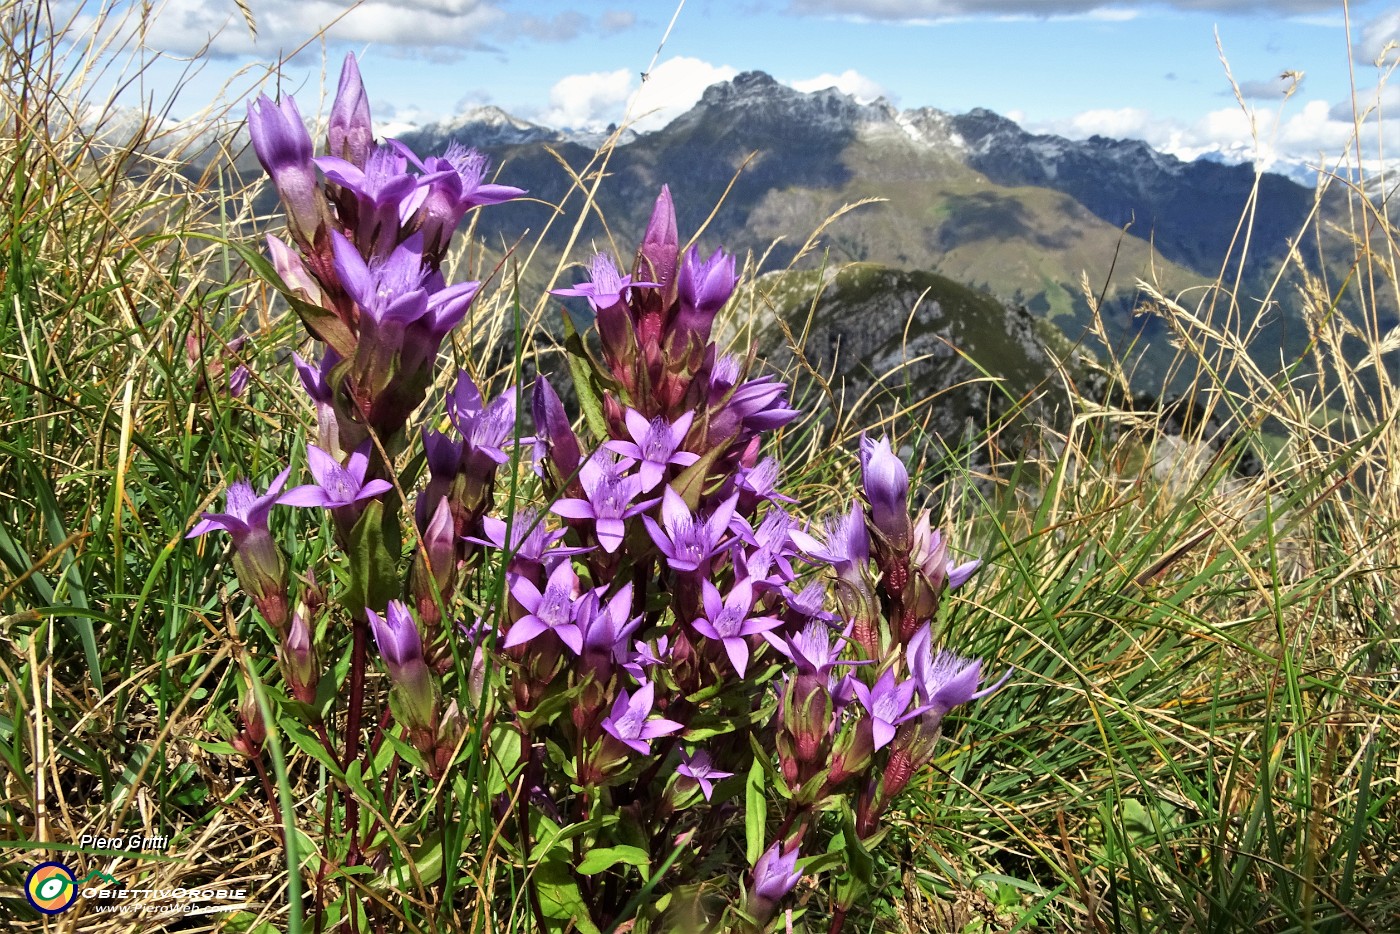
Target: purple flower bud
x: 283, y: 147
x: 401, y: 645
x: 886, y: 485
x: 774, y: 876
x: 554, y: 430
x: 238, y: 380
x: 298, y: 656
x: 703, y: 288
x: 293, y: 272
x: 660, y: 249
x: 350, y: 135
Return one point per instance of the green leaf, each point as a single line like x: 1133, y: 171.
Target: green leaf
x: 582, y: 375
x: 374, y: 546
x: 691, y: 483
x: 756, y: 813
x: 606, y: 857
x: 308, y: 743
x: 861, y: 863
x: 560, y: 899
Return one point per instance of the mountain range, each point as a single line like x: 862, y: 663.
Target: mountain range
x: 1036, y: 221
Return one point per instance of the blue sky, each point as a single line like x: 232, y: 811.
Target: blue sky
x: 1076, y: 67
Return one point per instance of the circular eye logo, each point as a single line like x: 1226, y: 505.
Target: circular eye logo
x: 51, y: 887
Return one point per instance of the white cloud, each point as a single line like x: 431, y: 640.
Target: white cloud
x: 1303, y: 132
x: 186, y: 26
x: 1379, y: 33
x: 935, y: 10
x: 588, y: 101
x: 849, y: 82
x: 434, y: 27
x: 596, y: 99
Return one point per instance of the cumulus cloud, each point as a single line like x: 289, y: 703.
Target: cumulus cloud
x: 594, y: 100
x: 849, y: 82
x: 933, y: 10
x: 1311, y: 132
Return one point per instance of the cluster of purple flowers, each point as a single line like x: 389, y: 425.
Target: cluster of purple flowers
x: 669, y: 621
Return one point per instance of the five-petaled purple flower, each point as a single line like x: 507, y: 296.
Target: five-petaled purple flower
x: 628, y: 721
x: 689, y: 542
x: 609, y: 501
x: 335, y: 485
x: 727, y: 619
x: 654, y: 443
x: 551, y: 611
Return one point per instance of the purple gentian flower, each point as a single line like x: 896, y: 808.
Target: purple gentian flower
x: 530, y: 539
x: 609, y: 499
x: 554, y: 431
x: 247, y: 512
x: 945, y: 680
x: 396, y: 634
x: 727, y: 619
x: 702, y: 287
x: 811, y: 649
x: 847, y: 547
x: 454, y: 187
x: 759, y: 484
x: 284, y: 148
x: 775, y: 874
x: 386, y: 195
x: 654, y: 444
x: 660, y: 248
x: 886, y: 483
x: 238, y: 380
x: 628, y: 721
x: 551, y: 611
x: 702, y: 771
x: 645, y: 657
x: 888, y: 705
x: 335, y: 485
x: 605, y: 627
x: 401, y: 645
x: 688, y: 542
x: 605, y: 288
x: 350, y: 135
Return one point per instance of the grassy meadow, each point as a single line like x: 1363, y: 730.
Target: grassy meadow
x: 1202, y: 733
